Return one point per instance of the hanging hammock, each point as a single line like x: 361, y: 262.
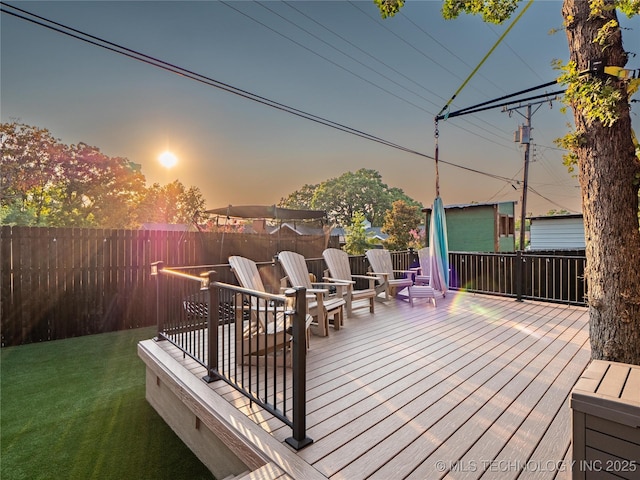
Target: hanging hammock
x: 438, y: 243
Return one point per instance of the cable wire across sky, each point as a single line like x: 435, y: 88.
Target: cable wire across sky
x: 169, y: 67
x: 308, y: 54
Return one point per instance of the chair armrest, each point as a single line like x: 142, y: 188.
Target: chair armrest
x: 335, y: 281
x: 363, y: 277
x: 405, y: 273
x: 317, y: 290
x: 339, y: 287
x: 371, y: 279
x: 384, y: 275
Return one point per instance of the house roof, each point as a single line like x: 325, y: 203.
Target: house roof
x: 548, y: 217
x: 300, y: 229
x: 467, y: 205
x: 266, y: 211
x: 373, y: 232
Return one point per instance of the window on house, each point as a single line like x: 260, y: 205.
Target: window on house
x: 507, y: 226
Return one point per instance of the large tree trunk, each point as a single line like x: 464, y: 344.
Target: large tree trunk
x: 607, y: 170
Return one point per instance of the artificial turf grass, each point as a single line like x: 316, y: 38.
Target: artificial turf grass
x: 75, y: 409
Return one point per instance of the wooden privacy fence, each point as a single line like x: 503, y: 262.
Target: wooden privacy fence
x: 64, y: 282
x: 60, y: 282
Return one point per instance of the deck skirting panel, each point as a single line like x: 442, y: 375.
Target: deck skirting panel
x: 191, y: 408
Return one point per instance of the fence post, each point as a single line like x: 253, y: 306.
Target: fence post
x: 209, y: 284
x: 296, y: 308
x: 161, y: 285
x: 519, y: 275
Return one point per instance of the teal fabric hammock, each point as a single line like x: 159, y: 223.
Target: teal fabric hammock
x: 438, y: 241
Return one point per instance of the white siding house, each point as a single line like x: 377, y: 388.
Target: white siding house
x: 557, y: 232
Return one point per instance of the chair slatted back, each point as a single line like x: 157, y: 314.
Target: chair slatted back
x: 425, y: 263
x: 246, y: 271
x: 380, y: 261
x: 295, y: 267
x: 338, y: 263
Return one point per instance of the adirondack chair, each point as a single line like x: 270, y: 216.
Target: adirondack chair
x: 422, y: 280
x: 340, y: 272
x: 266, y: 331
x: 423, y: 276
x: 321, y: 305
x: 380, y: 262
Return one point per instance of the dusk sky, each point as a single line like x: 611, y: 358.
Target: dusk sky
x: 335, y: 60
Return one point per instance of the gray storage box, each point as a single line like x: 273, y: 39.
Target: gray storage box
x: 605, y: 405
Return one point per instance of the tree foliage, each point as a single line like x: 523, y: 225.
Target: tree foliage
x: 602, y: 149
x: 32, y: 160
x: 401, y: 224
x: 356, y: 240
x: 46, y: 183
x: 342, y: 197
x: 300, y: 199
x: 171, y: 203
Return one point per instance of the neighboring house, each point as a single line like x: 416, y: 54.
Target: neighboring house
x: 376, y: 234
x: 295, y: 229
x: 373, y: 233
x: 479, y: 227
x: 557, y: 232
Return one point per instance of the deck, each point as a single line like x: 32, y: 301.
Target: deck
x: 476, y: 387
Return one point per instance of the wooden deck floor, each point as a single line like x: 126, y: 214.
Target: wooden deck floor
x: 476, y: 387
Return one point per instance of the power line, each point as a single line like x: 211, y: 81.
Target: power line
x: 423, y: 54
x: 367, y: 54
x: 295, y: 42
x: 525, y: 63
x: 488, y: 54
x: 360, y: 77
x: 133, y: 54
x: 549, y: 200
x: 169, y: 67
x: 480, y: 127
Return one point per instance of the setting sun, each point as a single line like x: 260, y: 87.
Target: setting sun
x: 168, y: 159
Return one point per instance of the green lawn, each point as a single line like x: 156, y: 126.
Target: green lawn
x: 75, y: 409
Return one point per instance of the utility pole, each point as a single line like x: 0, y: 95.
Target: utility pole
x: 523, y: 136
x: 525, y: 181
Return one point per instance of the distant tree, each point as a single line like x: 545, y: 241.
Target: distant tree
x: 356, y: 241
x: 171, y: 203
x: 98, y: 190
x: 399, y: 223
x: 300, y: 199
x: 31, y: 164
x: 553, y: 212
x: 527, y: 228
x: 603, y: 151
x: 46, y: 183
x: 341, y: 197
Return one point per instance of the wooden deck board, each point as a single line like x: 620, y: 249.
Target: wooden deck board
x: 535, y: 424
x: 510, y: 408
x: 507, y: 399
x: 476, y: 383
x: 432, y: 380
x: 526, y: 407
x: 469, y: 395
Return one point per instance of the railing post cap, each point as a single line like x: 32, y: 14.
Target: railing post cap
x: 156, y: 267
x: 206, y: 279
